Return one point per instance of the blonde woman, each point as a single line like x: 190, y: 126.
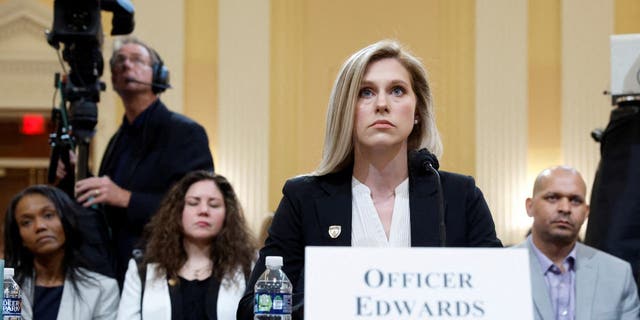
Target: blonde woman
x: 371, y: 187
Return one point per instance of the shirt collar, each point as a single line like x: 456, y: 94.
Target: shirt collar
x: 547, y: 265
x: 358, y: 187
x: 141, y: 119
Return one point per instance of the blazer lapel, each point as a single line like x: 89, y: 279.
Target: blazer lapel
x: 158, y: 296
x: 28, y: 288
x: 155, y: 120
x: 176, y: 301
x: 68, y: 308
x: 539, y: 290
x: 423, y: 207
x: 107, y: 159
x: 586, y: 277
x: 213, y: 289
x: 334, y: 209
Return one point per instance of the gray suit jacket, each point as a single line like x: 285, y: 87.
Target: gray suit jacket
x: 95, y: 299
x: 605, y: 288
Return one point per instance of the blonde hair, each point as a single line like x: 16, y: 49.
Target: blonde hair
x: 338, y: 142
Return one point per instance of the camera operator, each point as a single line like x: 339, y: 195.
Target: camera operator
x: 152, y: 149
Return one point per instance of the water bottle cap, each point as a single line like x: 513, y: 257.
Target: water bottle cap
x: 273, y: 261
x: 8, y: 272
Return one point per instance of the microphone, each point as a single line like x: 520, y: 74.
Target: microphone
x: 429, y: 162
x: 151, y: 84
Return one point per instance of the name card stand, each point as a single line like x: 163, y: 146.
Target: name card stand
x: 417, y: 283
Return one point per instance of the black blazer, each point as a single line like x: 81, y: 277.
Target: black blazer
x: 313, y: 203
x: 171, y: 145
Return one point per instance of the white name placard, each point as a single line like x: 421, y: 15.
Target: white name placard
x: 417, y: 283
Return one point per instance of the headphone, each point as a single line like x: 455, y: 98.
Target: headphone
x: 160, y: 79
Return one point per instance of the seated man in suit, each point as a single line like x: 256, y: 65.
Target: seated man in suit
x: 570, y: 280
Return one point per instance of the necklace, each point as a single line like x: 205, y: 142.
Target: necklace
x: 202, y: 273
x: 191, y: 272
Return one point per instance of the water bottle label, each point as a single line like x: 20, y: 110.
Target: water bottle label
x: 272, y: 303
x: 11, y: 306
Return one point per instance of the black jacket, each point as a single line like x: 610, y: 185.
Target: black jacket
x: 170, y: 146
x: 313, y: 203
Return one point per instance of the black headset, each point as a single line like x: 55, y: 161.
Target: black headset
x: 160, y: 80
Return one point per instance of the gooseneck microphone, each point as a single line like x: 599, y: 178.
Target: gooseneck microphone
x: 151, y: 84
x: 429, y: 161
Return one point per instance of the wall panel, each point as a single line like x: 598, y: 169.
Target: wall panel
x: 501, y: 122
x: 243, y: 102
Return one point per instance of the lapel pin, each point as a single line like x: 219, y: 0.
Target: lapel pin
x: 334, y: 231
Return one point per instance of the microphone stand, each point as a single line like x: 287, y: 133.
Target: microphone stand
x: 442, y: 226
x: 430, y: 163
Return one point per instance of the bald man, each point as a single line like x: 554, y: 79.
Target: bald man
x: 570, y: 280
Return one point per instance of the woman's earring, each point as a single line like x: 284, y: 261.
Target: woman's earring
x: 415, y: 121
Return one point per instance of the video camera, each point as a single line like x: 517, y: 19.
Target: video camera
x: 77, y: 24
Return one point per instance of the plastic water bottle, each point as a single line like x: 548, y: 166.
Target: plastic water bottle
x: 272, y: 292
x: 12, y: 297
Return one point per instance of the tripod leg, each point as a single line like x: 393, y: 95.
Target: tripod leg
x: 53, y: 164
x: 82, y: 170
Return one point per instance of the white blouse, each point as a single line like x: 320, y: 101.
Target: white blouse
x: 366, y: 227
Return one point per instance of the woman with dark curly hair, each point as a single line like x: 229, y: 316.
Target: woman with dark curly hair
x: 42, y: 244
x: 198, y: 255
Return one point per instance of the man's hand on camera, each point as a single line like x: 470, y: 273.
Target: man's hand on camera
x: 97, y: 190
x: 61, y: 170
